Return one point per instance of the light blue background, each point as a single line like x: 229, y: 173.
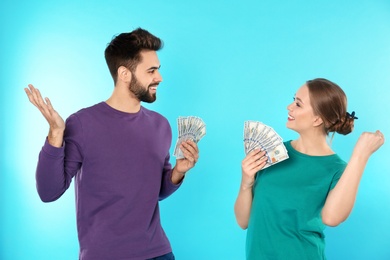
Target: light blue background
x: 225, y: 61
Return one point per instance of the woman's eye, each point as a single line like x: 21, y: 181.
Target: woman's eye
x: 296, y: 103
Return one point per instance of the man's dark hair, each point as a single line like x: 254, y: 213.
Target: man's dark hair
x: 124, y: 50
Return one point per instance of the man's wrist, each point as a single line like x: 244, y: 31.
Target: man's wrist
x: 55, y: 137
x: 177, y: 176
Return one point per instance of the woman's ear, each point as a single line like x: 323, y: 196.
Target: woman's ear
x: 317, y: 121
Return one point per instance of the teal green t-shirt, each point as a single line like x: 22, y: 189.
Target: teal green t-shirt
x: 285, y: 221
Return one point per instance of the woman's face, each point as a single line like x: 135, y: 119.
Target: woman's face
x: 301, y: 117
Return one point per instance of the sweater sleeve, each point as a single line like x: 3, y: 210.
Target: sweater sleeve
x: 57, y: 166
x: 167, y: 187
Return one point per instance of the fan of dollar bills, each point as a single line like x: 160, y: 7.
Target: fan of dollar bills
x: 190, y: 128
x: 259, y: 135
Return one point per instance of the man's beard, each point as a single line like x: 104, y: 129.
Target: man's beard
x: 140, y: 91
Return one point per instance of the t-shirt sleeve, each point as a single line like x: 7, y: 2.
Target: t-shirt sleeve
x: 337, y: 176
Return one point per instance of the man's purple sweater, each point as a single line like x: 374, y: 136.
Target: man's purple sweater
x: 121, y: 166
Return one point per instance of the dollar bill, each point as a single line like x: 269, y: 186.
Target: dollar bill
x: 259, y: 135
x: 189, y: 128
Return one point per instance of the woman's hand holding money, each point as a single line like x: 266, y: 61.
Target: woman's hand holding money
x: 252, y: 163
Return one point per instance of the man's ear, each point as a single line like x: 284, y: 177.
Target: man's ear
x: 317, y: 121
x: 124, y: 74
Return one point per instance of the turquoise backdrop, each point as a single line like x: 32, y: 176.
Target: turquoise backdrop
x: 225, y: 61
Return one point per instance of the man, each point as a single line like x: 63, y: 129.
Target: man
x: 118, y: 153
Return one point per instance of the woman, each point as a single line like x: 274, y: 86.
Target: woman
x: 286, y: 206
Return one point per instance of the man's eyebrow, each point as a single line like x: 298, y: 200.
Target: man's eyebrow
x: 155, y: 68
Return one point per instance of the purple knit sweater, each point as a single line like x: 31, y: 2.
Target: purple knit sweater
x: 120, y: 162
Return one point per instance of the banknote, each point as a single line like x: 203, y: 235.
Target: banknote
x: 189, y: 128
x: 260, y: 135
